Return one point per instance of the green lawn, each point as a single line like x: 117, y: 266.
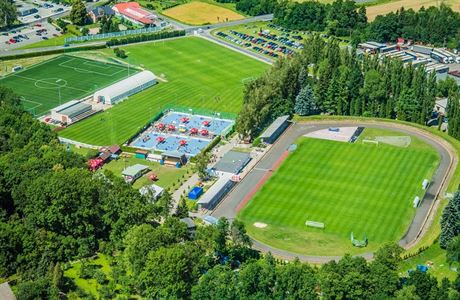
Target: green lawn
x: 349, y: 187
x: 167, y: 176
x: 199, y: 74
x: 60, y: 79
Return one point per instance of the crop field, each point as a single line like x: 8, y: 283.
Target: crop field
x: 196, y: 74
x: 197, y: 13
x: 389, y: 6
x: 48, y: 84
x: 359, y: 188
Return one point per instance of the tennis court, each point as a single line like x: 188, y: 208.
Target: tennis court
x: 61, y: 79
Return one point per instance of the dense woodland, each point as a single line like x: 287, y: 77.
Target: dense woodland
x: 54, y: 211
x: 326, y: 79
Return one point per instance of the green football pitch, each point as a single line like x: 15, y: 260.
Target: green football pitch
x: 61, y: 79
x: 359, y: 188
x: 197, y: 74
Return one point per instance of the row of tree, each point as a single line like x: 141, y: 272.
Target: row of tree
x: 339, y: 84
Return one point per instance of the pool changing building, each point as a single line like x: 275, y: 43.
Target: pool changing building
x: 125, y: 88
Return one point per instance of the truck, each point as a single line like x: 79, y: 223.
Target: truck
x: 422, y: 49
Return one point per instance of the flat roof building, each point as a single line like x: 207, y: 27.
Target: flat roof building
x: 125, y: 88
x: 233, y: 162
x: 131, y: 173
x: 152, y: 191
x: 271, y: 134
x: 216, y: 192
x: 72, y: 112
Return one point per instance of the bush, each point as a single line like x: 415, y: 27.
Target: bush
x: 145, y: 37
x: 88, y: 271
x: 100, y: 277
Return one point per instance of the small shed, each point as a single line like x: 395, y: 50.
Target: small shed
x: 131, y: 173
x: 210, y: 220
x: 189, y: 222
x: 173, y: 158
x: 233, y: 162
x: 115, y: 149
x: 195, y: 193
x: 216, y: 192
x: 142, y: 154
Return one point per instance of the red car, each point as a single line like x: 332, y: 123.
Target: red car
x: 12, y: 41
x: 38, y: 25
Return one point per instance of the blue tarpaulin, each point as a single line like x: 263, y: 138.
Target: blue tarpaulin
x: 195, y: 193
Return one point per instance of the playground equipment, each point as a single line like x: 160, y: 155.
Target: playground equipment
x: 161, y: 139
x: 153, y: 176
x: 182, y: 142
x: 184, y: 120
x: 171, y: 128
x: 204, y: 132
x: 160, y: 126
x: 359, y: 243
x: 194, y: 131
x: 206, y: 123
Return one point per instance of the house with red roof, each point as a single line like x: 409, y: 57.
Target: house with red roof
x: 133, y: 12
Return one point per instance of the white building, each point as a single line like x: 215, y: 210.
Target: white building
x: 125, y: 88
x: 71, y: 112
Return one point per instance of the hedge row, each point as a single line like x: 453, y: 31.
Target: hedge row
x: 49, y: 52
x: 146, y: 37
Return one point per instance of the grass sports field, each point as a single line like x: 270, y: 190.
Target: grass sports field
x: 197, y: 13
x: 360, y: 188
x: 199, y: 74
x: 61, y: 79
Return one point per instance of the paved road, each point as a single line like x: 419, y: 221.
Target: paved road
x: 424, y: 213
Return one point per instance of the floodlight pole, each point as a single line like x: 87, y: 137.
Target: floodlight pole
x: 59, y: 91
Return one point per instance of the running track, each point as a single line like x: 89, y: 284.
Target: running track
x: 242, y: 193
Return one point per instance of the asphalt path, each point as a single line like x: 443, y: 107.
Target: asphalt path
x: 424, y: 214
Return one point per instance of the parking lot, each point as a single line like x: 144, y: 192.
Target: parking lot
x: 43, y: 10
x: 32, y: 33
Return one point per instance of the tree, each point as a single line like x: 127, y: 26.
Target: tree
x: 219, y: 282
x: 84, y: 31
x: 450, y: 221
x: 180, y: 266
x: 8, y: 13
x: 201, y: 164
x: 238, y: 234
x: 407, y: 293
x: 78, y: 13
x: 305, y: 103
x: 453, y: 250
x: 182, y: 208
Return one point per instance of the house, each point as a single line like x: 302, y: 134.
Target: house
x: 152, y: 191
x: 98, y: 13
x: 131, y: 173
x: 133, y: 12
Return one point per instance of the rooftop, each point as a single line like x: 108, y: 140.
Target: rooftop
x: 135, y: 169
x: 215, y: 188
x: 274, y: 127
x: 134, y: 11
x: 233, y: 162
x: 73, y: 109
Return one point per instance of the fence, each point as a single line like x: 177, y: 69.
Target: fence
x: 110, y: 35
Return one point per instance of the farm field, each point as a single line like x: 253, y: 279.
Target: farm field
x: 389, y: 6
x: 359, y: 188
x: 198, y: 74
x: 197, y: 13
x: 53, y: 82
